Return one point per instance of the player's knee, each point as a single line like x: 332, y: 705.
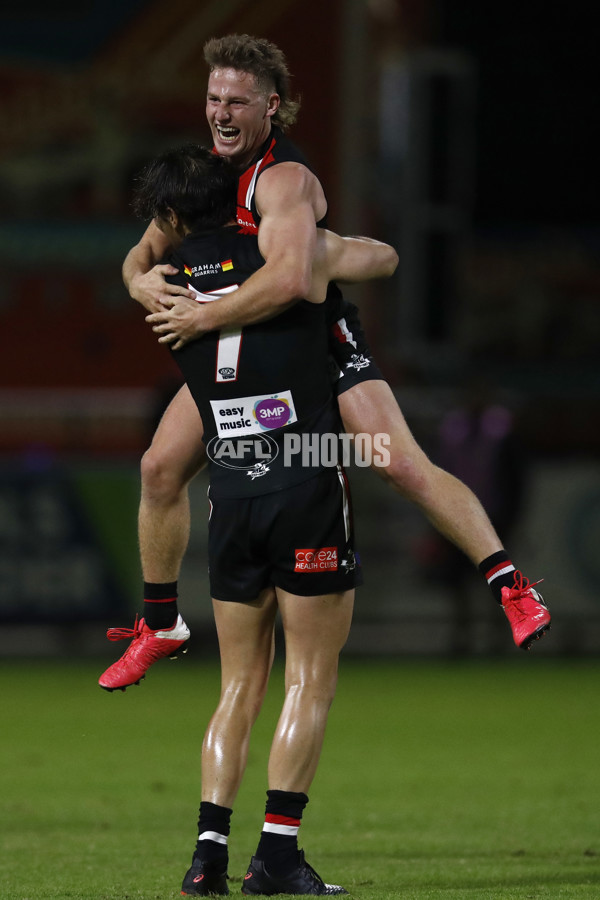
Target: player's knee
x: 317, y: 687
x: 255, y: 700
x: 246, y: 694
x: 160, y: 479
x: 409, y: 476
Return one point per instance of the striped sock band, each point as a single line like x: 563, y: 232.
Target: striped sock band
x: 160, y: 605
x: 213, y: 836
x: 499, y: 572
x: 286, y: 826
x: 213, y: 831
x: 278, y: 845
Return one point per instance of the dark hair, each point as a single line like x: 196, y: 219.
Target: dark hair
x: 260, y: 58
x: 195, y: 183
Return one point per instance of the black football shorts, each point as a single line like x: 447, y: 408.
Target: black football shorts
x: 300, y: 539
x: 350, y: 358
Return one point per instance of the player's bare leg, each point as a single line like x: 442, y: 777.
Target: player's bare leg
x: 316, y: 629
x: 245, y: 632
x: 451, y: 507
x: 174, y: 457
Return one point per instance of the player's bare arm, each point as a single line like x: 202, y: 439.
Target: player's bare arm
x: 290, y: 200
x: 348, y: 259
x: 144, y: 277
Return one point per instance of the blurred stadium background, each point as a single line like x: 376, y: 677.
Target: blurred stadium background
x: 458, y: 132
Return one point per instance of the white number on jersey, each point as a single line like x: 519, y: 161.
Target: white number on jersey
x: 230, y: 339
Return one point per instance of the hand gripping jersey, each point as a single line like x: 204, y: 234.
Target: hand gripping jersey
x: 348, y: 347
x: 261, y: 390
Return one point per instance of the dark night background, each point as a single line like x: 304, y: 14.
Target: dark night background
x: 92, y: 90
x: 537, y: 109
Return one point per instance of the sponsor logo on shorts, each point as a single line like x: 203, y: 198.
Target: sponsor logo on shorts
x: 349, y: 563
x: 358, y: 361
x: 226, y: 372
x: 325, y: 559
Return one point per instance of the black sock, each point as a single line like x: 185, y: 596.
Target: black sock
x: 160, y: 605
x: 278, y: 845
x: 213, y: 831
x: 499, y: 572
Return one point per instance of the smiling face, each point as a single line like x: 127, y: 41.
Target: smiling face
x: 239, y: 114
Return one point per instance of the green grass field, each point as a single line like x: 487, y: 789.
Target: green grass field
x: 454, y: 780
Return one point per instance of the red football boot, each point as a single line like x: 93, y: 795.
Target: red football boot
x: 526, y: 611
x: 146, y: 648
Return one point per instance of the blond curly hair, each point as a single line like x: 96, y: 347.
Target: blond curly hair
x: 261, y: 58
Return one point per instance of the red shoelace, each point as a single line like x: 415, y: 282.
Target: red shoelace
x: 120, y: 634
